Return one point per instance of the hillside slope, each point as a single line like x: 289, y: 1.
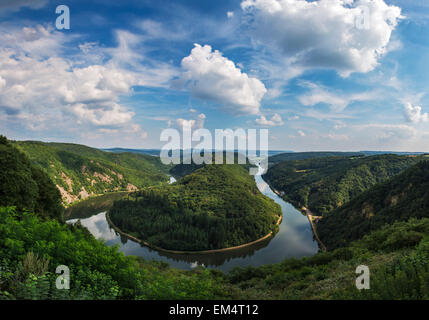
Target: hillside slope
x: 79, y: 171
x: 323, y: 184
x: 26, y: 187
x: 403, y: 197
x: 217, y: 206
x: 397, y: 256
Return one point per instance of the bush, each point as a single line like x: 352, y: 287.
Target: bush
x: 97, y: 271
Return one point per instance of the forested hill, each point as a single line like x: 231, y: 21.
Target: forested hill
x: 26, y: 187
x: 217, y: 206
x: 324, y: 184
x: 33, y: 244
x: 182, y: 169
x: 79, y: 171
x: 34, y: 241
x: 403, y: 197
x: 288, y: 156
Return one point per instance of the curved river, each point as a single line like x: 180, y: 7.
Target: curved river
x: 294, y: 239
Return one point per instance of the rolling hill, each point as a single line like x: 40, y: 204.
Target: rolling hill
x: 34, y: 241
x: 215, y: 207
x: 399, y: 199
x: 26, y: 187
x: 324, y: 184
x: 79, y: 171
x: 288, y: 156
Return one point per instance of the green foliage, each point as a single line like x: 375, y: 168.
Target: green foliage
x: 28, y: 243
x: 324, y: 184
x: 33, y: 264
x: 81, y: 170
x: 405, y: 278
x: 25, y: 186
x: 217, y: 206
x: 181, y: 170
x: 31, y: 249
x: 402, y: 197
x: 397, y: 272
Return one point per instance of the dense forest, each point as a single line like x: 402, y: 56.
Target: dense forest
x: 289, y: 156
x: 183, y: 169
x: 324, y: 184
x: 80, y: 171
x: 217, y: 206
x: 34, y: 240
x: 402, y: 197
x: 25, y: 186
x: 31, y: 249
x: 397, y: 256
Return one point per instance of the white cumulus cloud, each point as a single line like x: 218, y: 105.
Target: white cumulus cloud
x: 337, y: 102
x: 276, y: 120
x: 325, y: 33
x: 40, y: 87
x: 208, y: 75
x: 414, y: 114
x: 197, y: 123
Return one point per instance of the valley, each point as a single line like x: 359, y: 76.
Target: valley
x: 372, y: 210
x: 293, y: 239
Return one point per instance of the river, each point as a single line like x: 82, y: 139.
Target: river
x: 294, y: 239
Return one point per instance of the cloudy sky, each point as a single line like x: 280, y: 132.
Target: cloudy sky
x: 320, y: 75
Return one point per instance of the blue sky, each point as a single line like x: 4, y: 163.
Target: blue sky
x: 312, y: 72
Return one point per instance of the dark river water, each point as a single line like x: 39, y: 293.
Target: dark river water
x: 294, y: 239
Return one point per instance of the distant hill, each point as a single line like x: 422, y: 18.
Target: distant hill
x: 404, y: 196
x: 152, y: 152
x: 280, y: 156
x: 373, y: 153
x: 157, y: 152
x: 181, y: 170
x: 79, y: 171
x: 309, y: 155
x: 323, y: 184
x: 217, y: 206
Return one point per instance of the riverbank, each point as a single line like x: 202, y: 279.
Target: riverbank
x: 141, y: 242
x: 307, y: 213
x: 93, y: 205
x: 293, y: 239
x: 313, y: 227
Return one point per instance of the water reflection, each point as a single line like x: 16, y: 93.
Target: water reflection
x: 294, y: 239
